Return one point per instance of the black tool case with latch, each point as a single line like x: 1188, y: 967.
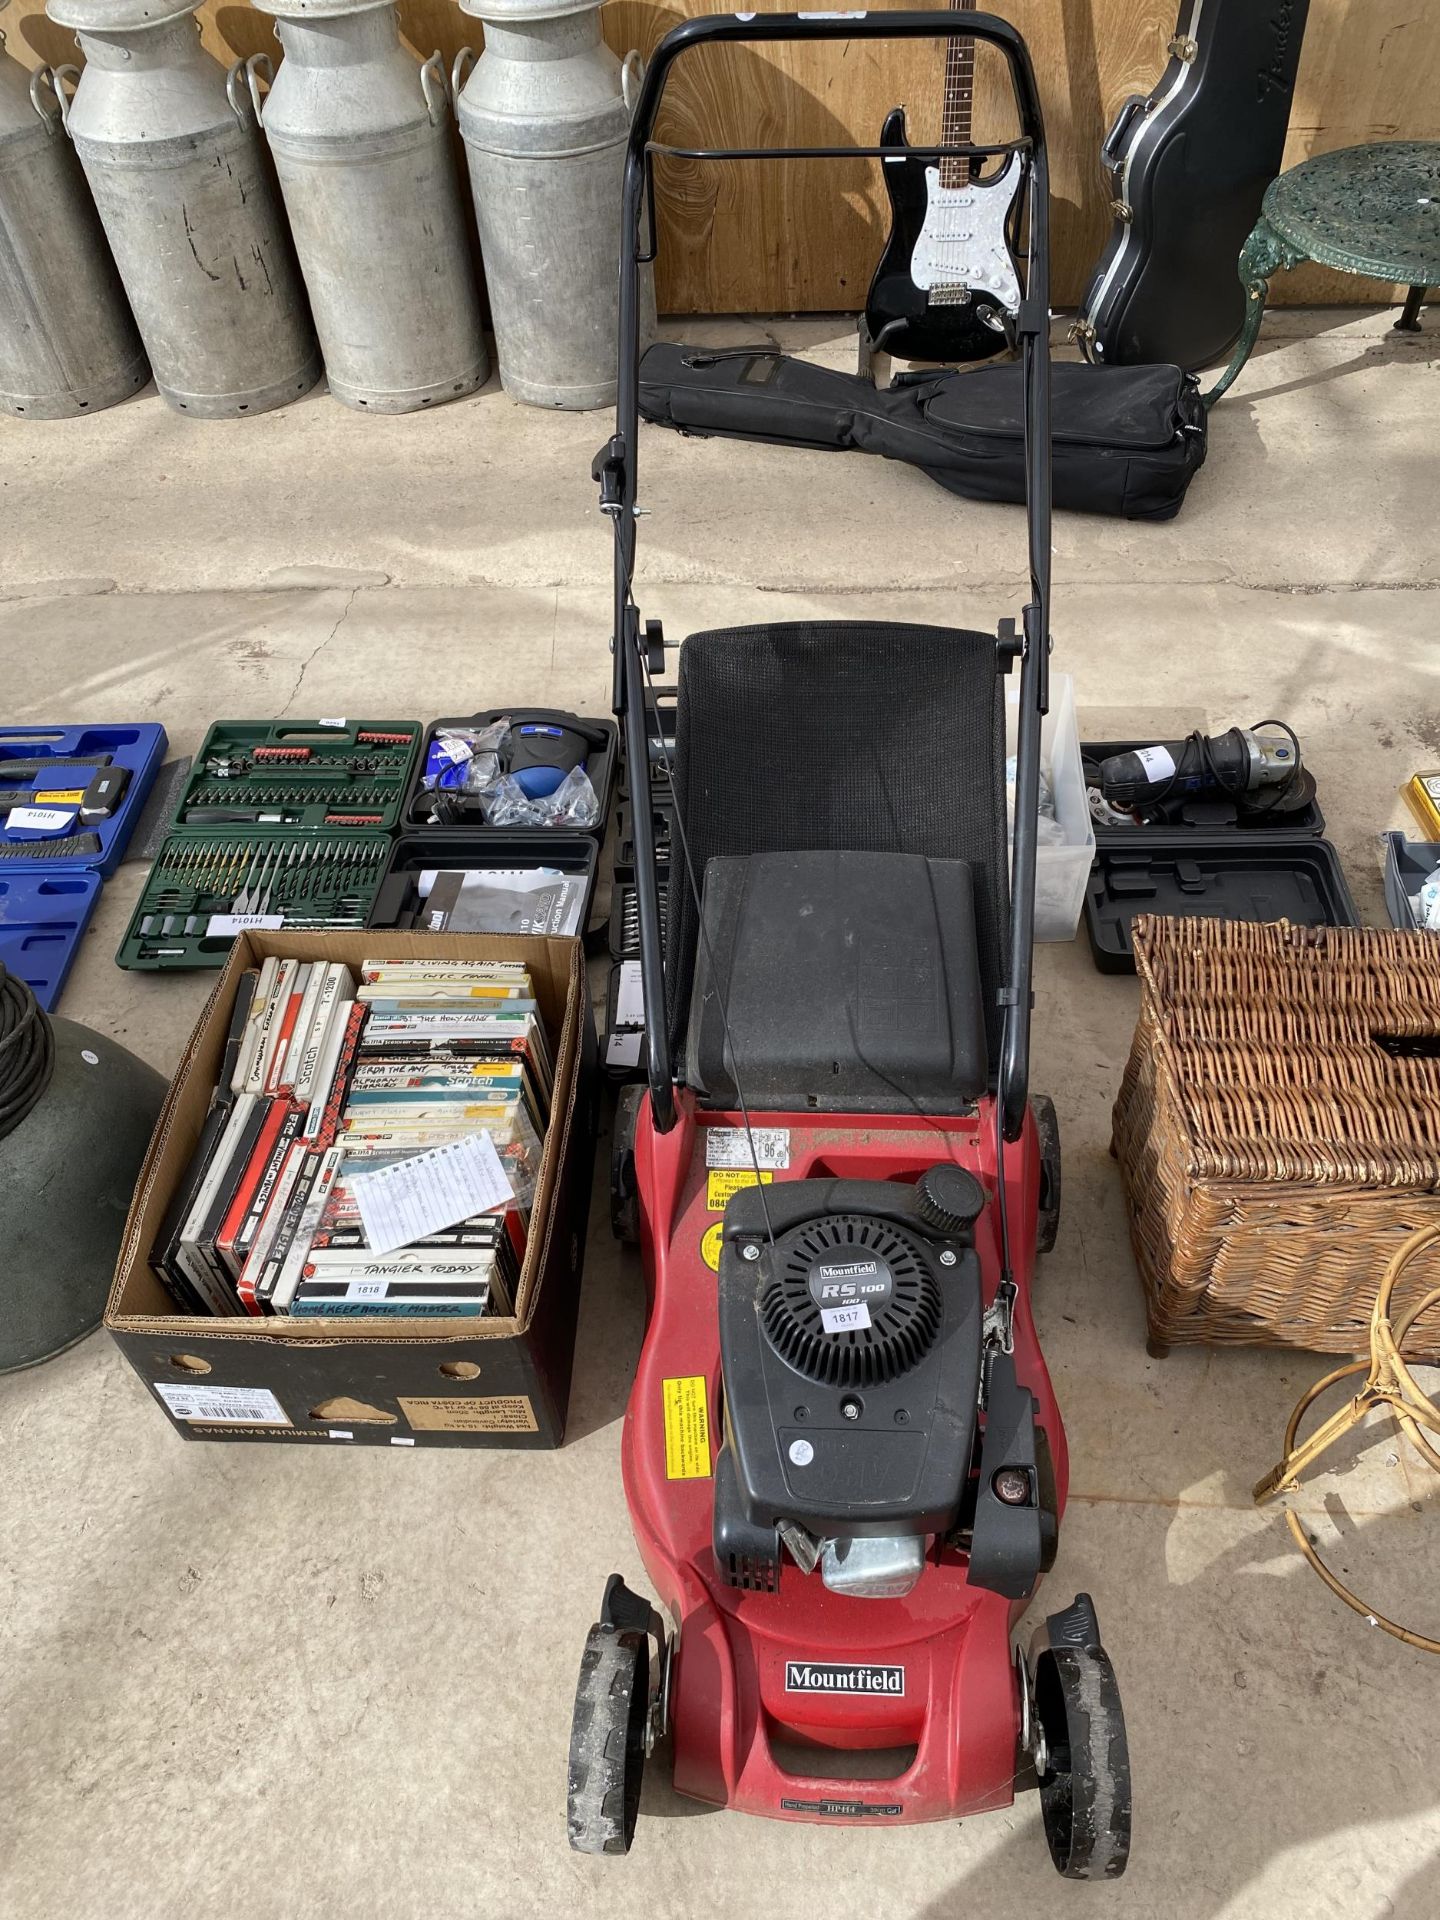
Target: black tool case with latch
x: 399, y: 903
x: 1213, y: 862
x: 464, y: 810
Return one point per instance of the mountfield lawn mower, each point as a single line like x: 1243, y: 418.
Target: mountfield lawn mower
x: 843, y: 1456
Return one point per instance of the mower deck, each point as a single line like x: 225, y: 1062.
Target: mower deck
x: 802, y: 1702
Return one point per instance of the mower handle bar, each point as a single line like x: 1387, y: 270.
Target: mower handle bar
x: 616, y: 467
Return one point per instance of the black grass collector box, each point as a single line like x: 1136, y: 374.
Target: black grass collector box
x: 497, y: 1378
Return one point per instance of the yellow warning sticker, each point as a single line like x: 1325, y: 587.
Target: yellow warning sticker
x: 710, y: 1245
x: 722, y: 1182
x: 687, y: 1429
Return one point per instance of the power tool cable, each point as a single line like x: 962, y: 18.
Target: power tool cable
x: 27, y: 1052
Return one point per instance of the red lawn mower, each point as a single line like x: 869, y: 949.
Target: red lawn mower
x: 843, y: 1456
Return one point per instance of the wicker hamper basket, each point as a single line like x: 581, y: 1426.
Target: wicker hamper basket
x: 1275, y: 1153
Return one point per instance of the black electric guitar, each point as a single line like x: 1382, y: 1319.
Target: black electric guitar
x: 948, y: 281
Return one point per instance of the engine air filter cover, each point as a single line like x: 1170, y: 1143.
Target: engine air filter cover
x: 851, y: 1301
x: 850, y: 1350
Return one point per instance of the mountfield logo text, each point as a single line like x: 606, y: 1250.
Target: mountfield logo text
x: 812, y: 1676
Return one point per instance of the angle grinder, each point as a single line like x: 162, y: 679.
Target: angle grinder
x: 1258, y: 770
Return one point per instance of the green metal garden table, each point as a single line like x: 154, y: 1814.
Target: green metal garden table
x: 1371, y: 210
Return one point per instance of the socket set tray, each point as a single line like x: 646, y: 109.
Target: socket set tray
x: 316, y: 775
x: 205, y: 888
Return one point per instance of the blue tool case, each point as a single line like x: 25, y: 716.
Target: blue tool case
x: 36, y: 762
x: 43, y: 917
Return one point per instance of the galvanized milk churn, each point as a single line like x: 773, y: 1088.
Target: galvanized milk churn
x: 362, y: 142
x: 173, y: 155
x: 545, y: 118
x: 67, y: 342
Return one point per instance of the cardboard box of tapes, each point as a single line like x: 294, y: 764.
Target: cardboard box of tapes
x: 493, y: 1380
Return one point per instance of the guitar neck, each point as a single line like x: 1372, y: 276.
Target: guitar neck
x: 955, y: 112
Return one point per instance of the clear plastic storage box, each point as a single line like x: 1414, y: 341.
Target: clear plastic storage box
x: 1062, y: 868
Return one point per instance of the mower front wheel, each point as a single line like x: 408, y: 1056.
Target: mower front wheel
x: 1082, y: 1756
x: 607, y: 1740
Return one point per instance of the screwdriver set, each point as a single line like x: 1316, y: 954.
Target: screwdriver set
x: 316, y: 775
x: 205, y: 888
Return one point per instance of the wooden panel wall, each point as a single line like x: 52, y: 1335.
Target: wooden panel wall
x: 802, y: 236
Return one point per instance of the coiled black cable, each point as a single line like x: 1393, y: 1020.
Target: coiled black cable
x: 27, y: 1052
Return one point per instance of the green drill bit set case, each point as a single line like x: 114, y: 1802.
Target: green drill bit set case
x: 284, y: 823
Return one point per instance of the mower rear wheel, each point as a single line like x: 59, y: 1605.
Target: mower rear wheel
x: 1047, y: 1125
x: 1084, y: 1775
x: 624, y: 1198
x: 607, y: 1740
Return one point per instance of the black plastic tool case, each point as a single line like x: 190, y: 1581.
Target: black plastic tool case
x: 397, y: 902
x: 624, y: 943
x: 1215, y: 866
x: 316, y: 882
x: 1220, y: 878
x: 618, y: 1042
x: 624, y: 925
x: 43, y: 917
x: 345, y: 778
x: 600, y: 764
x: 662, y: 818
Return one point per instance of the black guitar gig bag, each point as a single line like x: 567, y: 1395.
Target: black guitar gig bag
x: 1126, y: 439
x: 1189, y: 165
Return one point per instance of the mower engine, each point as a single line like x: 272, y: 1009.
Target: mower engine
x: 855, y: 1367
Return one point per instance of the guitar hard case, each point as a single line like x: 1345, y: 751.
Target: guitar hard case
x: 1189, y: 166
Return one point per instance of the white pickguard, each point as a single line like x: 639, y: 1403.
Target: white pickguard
x: 962, y: 247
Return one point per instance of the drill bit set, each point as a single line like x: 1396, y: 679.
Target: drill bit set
x: 283, y: 823
x: 205, y: 888
x: 301, y: 773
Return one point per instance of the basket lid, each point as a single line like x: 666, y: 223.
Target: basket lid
x: 1296, y: 1054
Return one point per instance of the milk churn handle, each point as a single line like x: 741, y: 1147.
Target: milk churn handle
x: 53, y: 78
x: 460, y: 72
x: 251, y: 68
x: 432, y: 85
x: 632, y: 74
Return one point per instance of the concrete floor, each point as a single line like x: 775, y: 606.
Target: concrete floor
x: 246, y: 1683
